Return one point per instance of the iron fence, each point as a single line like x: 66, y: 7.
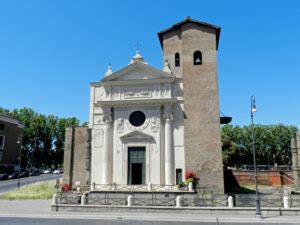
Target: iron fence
x: 169, y: 199
x: 247, y: 200
x: 295, y: 200
x: 68, y: 198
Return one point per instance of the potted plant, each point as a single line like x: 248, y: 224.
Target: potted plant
x: 190, y: 177
x: 182, y: 186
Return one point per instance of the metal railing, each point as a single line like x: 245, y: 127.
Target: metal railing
x: 169, y: 199
x: 295, y: 201
x: 247, y: 200
x: 142, y: 187
x: 68, y: 198
x: 159, y: 187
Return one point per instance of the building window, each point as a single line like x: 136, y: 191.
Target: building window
x: 2, y: 139
x: 137, y: 118
x: 177, y: 59
x: 178, y: 176
x: 197, y: 58
x: 2, y: 126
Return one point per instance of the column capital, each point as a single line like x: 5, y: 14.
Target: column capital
x: 168, y: 116
x: 107, y: 119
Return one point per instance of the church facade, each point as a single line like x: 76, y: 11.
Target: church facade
x: 151, y: 126
x: 136, y: 117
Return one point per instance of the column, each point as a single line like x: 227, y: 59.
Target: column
x: 169, y: 151
x: 105, y: 156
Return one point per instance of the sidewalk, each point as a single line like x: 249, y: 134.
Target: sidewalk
x: 41, y: 209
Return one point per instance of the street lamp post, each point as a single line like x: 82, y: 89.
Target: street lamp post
x: 257, y: 201
x: 20, y: 153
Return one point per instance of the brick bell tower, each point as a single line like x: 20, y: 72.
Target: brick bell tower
x: 190, y: 47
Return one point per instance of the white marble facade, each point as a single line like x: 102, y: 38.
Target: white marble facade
x: 153, y: 93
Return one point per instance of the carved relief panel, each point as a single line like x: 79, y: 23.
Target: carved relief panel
x: 117, y: 93
x: 155, y: 121
x: 137, y: 92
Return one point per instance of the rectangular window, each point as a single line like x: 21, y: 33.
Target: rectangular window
x: 178, y: 176
x: 2, y: 139
x: 2, y: 126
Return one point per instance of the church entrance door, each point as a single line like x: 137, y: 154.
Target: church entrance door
x: 136, y: 165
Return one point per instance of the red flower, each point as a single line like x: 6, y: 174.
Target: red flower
x: 189, y: 174
x: 66, y: 187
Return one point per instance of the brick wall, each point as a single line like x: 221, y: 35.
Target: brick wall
x: 202, y: 141
x: 77, y: 156
x: 270, y: 178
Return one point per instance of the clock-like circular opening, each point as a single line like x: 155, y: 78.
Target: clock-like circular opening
x: 137, y: 118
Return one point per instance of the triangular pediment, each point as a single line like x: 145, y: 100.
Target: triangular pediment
x: 138, y: 71
x: 137, y: 135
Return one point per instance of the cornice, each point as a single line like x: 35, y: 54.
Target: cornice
x: 144, y: 102
x: 132, y: 82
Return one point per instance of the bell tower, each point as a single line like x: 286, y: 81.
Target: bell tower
x: 190, y: 47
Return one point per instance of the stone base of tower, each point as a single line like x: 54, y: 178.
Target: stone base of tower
x: 203, y: 155
x: 211, y: 180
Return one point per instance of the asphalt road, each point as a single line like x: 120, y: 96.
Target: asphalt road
x: 46, y: 221
x: 121, y: 221
x: 38, y: 212
x: 8, y: 185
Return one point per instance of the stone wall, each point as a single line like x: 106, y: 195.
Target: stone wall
x: 295, y: 147
x: 77, y: 156
x: 269, y: 178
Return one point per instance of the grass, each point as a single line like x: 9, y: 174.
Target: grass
x: 39, y: 190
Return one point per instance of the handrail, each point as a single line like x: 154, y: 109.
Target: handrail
x: 138, y: 187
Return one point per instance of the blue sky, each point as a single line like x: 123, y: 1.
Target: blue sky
x: 51, y: 50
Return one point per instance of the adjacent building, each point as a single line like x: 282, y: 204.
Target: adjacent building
x: 10, y: 141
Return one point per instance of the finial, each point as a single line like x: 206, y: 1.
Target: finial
x: 167, y: 67
x: 109, y: 70
x: 137, y: 57
x: 188, y: 17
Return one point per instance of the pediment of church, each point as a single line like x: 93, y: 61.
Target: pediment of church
x: 137, y: 71
x: 136, y: 135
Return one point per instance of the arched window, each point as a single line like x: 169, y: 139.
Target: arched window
x: 177, y: 59
x: 197, y: 58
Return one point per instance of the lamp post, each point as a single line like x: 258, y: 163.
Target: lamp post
x: 257, y: 201
x: 20, y: 152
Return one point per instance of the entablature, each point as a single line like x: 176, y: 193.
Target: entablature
x: 153, y: 102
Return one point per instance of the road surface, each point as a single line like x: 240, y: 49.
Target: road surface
x: 67, y: 220
x: 8, y: 185
x: 38, y: 212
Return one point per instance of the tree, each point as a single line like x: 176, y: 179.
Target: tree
x: 269, y: 140
x: 43, y: 137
